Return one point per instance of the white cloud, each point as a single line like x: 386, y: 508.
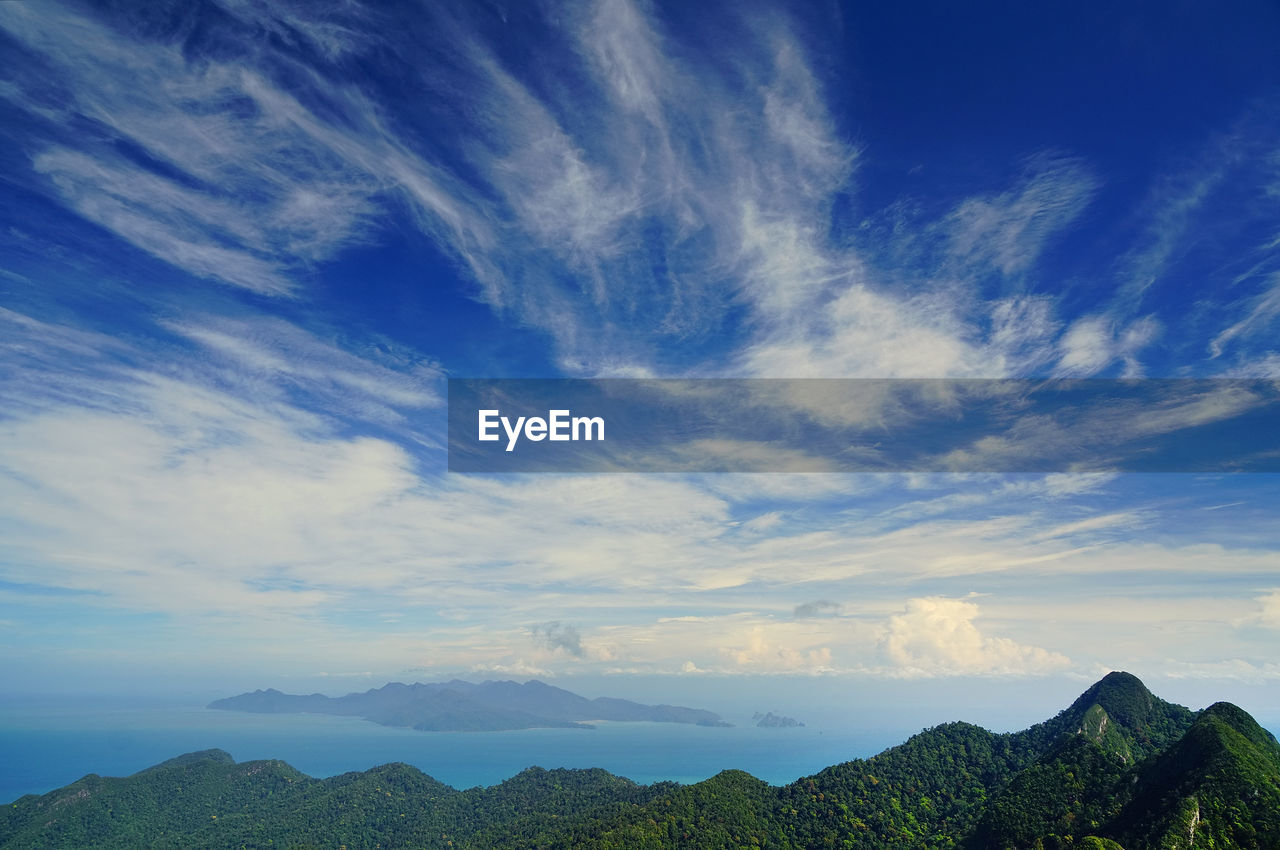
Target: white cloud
x: 1240, y: 669
x: 1093, y: 343
x: 180, y: 225
x: 1262, y: 312
x: 1009, y: 231
x: 744, y: 456
x: 863, y: 333
x: 177, y: 498
x: 1270, y: 615
x: 629, y: 205
x: 331, y: 27
x: 848, y: 314
x: 739, y: 643
x: 264, y: 356
x: 1122, y: 520
x: 759, y: 654
x: 1175, y: 201
x: 1058, y: 484
x: 1104, y: 431
x: 256, y: 186
x: 937, y: 636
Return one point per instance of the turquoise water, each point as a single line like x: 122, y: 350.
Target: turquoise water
x: 44, y: 748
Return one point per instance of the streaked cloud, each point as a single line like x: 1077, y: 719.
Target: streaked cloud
x: 197, y: 501
x: 1007, y: 232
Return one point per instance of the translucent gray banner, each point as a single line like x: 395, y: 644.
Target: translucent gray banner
x: 821, y: 425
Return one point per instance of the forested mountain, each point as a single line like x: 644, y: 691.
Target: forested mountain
x: 459, y: 706
x: 1119, y: 768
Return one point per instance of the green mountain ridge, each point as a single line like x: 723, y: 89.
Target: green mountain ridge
x: 1219, y: 786
x: 1119, y: 768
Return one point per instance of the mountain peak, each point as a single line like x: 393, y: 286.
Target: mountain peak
x: 1117, y: 698
x: 214, y: 756
x: 1122, y: 695
x: 1121, y: 716
x: 1241, y: 722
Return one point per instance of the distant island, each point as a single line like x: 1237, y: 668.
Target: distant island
x: 769, y: 720
x: 1119, y: 769
x: 459, y: 706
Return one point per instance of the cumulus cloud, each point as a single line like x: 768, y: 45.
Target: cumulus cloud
x: 768, y: 650
x: 937, y: 636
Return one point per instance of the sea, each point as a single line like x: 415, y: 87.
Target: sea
x: 43, y: 747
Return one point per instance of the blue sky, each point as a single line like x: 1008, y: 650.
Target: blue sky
x: 245, y: 244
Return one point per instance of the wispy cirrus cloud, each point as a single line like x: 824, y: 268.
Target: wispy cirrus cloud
x: 867, y: 320
x: 1007, y: 232
x: 675, y: 190
x: 1261, y: 313
x: 1230, y: 178
x: 161, y: 217
x: 653, y: 207
x: 271, y: 356
x: 205, y: 159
